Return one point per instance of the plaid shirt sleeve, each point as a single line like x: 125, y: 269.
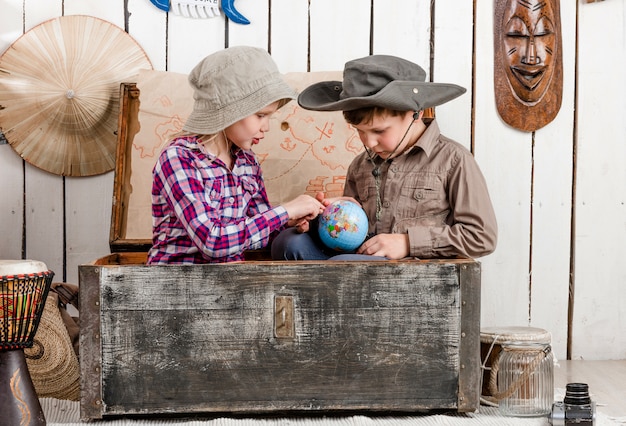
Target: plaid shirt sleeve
x: 213, y: 210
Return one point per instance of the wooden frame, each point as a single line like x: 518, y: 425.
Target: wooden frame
x: 127, y: 127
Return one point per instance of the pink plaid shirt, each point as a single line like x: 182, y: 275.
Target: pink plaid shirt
x: 202, y: 212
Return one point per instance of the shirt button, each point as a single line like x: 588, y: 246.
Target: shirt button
x: 386, y: 204
x: 231, y: 200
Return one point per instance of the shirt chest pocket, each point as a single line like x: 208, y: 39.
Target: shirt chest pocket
x: 213, y: 193
x: 235, y: 195
x: 426, y: 189
x: 365, y: 192
x: 422, y: 195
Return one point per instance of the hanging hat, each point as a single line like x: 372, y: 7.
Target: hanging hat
x: 232, y: 84
x: 59, y: 93
x: 378, y: 81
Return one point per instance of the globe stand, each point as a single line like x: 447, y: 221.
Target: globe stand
x: 19, y: 403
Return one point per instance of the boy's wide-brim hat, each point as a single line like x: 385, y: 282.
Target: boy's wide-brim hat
x: 378, y: 81
x: 232, y: 84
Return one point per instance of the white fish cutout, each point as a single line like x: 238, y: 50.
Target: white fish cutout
x: 202, y: 9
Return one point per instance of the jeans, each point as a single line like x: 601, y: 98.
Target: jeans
x: 291, y: 245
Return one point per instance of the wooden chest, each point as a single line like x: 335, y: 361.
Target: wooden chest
x: 266, y: 337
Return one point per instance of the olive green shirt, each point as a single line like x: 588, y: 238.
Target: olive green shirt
x: 435, y: 192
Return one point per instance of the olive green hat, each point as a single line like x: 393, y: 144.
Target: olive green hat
x: 378, y: 81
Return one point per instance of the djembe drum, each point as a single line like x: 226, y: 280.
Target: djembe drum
x: 24, y: 286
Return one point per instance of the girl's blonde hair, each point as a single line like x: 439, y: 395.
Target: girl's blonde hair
x: 202, y: 139
x: 205, y: 139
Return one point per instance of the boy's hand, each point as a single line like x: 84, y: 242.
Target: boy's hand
x: 391, y: 246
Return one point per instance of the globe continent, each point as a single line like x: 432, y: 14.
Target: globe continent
x: 343, y: 226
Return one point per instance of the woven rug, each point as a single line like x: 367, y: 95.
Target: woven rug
x: 67, y: 413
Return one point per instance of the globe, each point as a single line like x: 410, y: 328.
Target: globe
x: 343, y: 226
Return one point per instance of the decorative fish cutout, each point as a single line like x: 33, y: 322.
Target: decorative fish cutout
x: 202, y: 9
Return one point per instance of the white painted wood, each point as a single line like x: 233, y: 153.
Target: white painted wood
x: 552, y: 203
x: 190, y: 40
x: 407, y: 21
x: 402, y: 28
x: 600, y: 294
x: 10, y: 22
x: 504, y: 155
x: 255, y: 33
x: 11, y: 209
x: 43, y: 190
x: 44, y: 218
x: 454, y: 26
x: 111, y: 11
x: 11, y: 164
x: 88, y: 206
x: 88, y: 199
x: 147, y: 25
x: 34, y: 14
x: 289, y: 34
x: 340, y: 32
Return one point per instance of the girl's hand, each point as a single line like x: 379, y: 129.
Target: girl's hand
x: 301, y: 225
x: 326, y: 201
x: 303, y: 207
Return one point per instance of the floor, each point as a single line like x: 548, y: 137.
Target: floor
x: 606, y: 380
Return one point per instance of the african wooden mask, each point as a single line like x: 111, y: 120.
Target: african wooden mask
x: 528, y: 65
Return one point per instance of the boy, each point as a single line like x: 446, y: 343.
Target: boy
x: 423, y: 193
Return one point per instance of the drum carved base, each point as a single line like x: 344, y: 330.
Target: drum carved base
x: 19, y: 403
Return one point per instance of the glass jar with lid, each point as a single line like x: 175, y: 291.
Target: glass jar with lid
x: 523, y: 369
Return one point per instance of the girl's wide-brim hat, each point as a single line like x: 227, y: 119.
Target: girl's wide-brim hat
x: 379, y: 81
x: 232, y: 84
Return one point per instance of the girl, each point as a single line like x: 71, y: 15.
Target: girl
x: 209, y: 202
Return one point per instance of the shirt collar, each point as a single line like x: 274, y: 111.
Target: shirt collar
x: 428, y: 139
x: 192, y: 142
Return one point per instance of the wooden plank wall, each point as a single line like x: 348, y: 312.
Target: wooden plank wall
x: 559, y: 192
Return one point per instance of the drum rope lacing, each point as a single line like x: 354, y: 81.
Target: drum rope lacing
x: 18, y: 318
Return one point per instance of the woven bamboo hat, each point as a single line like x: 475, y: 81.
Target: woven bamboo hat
x: 59, y: 93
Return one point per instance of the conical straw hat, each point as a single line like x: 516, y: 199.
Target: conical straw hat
x: 59, y: 92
